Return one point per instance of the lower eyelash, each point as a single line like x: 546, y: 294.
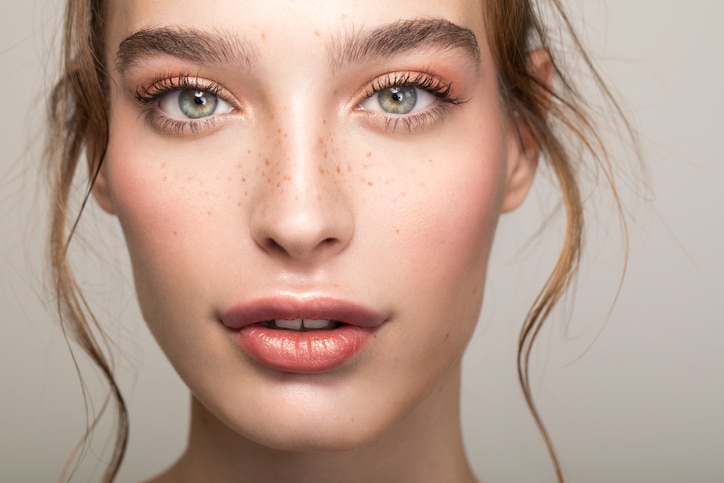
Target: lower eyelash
x: 175, y: 127
x: 414, y: 122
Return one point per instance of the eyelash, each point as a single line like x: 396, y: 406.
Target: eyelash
x: 164, y: 85
x: 424, y: 81
x: 149, y: 97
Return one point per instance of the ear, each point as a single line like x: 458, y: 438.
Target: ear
x: 101, y: 189
x: 523, y: 150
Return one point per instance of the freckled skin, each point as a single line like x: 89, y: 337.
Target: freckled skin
x: 296, y: 191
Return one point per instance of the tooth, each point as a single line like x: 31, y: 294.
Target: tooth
x: 295, y: 324
x: 317, y: 324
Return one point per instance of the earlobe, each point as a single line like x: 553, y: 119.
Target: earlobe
x: 102, y: 193
x: 101, y: 189
x: 521, y: 173
x: 524, y: 149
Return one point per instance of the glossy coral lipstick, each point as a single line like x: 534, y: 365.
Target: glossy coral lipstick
x: 302, y: 334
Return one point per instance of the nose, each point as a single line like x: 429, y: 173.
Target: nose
x: 302, y: 213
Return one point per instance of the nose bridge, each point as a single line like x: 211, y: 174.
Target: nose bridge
x: 302, y: 212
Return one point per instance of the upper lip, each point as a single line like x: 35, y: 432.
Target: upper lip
x: 306, y: 306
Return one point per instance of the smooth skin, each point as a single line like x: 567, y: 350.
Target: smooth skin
x: 298, y: 184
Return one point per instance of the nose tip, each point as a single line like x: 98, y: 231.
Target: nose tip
x: 302, y: 230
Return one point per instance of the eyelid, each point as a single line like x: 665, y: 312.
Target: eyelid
x: 151, y: 94
x: 418, y: 119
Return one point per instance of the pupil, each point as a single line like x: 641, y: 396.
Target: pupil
x: 199, y: 98
x: 398, y: 96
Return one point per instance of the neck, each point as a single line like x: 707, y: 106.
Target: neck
x: 426, y: 446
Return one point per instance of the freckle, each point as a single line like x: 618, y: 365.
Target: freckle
x: 263, y: 36
x: 325, y: 154
x: 263, y: 173
x: 246, y: 193
x: 369, y: 183
x: 278, y: 185
x: 397, y: 231
x: 369, y: 154
x: 228, y: 178
x: 163, y: 165
x: 243, y: 180
x: 319, y: 197
x: 286, y: 135
x: 321, y: 170
x: 317, y: 33
x: 208, y: 212
x: 339, y: 170
x: 165, y: 178
x: 268, y: 180
x: 267, y: 162
x: 238, y: 165
x: 320, y: 140
x: 248, y: 151
x: 279, y: 130
x: 238, y: 203
x: 175, y: 233
x: 324, y: 122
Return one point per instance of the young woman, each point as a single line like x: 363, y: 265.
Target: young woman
x: 309, y: 194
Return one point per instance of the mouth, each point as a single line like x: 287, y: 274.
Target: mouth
x: 302, y: 334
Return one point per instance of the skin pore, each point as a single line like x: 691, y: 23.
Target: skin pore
x: 251, y: 157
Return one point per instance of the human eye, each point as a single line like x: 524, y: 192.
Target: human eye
x: 413, y: 100
x: 181, y: 104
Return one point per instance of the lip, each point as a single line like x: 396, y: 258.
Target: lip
x: 302, y: 352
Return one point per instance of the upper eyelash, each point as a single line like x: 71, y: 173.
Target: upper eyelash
x: 163, y: 85
x: 422, y: 80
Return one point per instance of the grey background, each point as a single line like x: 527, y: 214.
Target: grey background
x: 630, y: 394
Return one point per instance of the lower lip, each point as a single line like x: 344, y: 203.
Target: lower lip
x: 303, y: 352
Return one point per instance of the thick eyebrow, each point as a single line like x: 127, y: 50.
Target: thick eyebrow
x: 193, y: 45
x: 403, y: 36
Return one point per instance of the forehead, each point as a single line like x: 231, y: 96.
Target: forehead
x: 305, y: 25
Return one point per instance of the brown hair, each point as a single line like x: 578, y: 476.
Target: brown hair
x: 556, y: 116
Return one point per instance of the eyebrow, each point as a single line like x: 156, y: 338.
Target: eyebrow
x: 400, y: 37
x: 190, y: 44
x: 218, y: 47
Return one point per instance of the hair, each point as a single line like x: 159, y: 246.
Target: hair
x: 557, y: 116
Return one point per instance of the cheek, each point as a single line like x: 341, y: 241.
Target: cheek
x: 170, y: 211
x: 439, y: 221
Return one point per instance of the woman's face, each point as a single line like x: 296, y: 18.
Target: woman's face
x: 340, y: 162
